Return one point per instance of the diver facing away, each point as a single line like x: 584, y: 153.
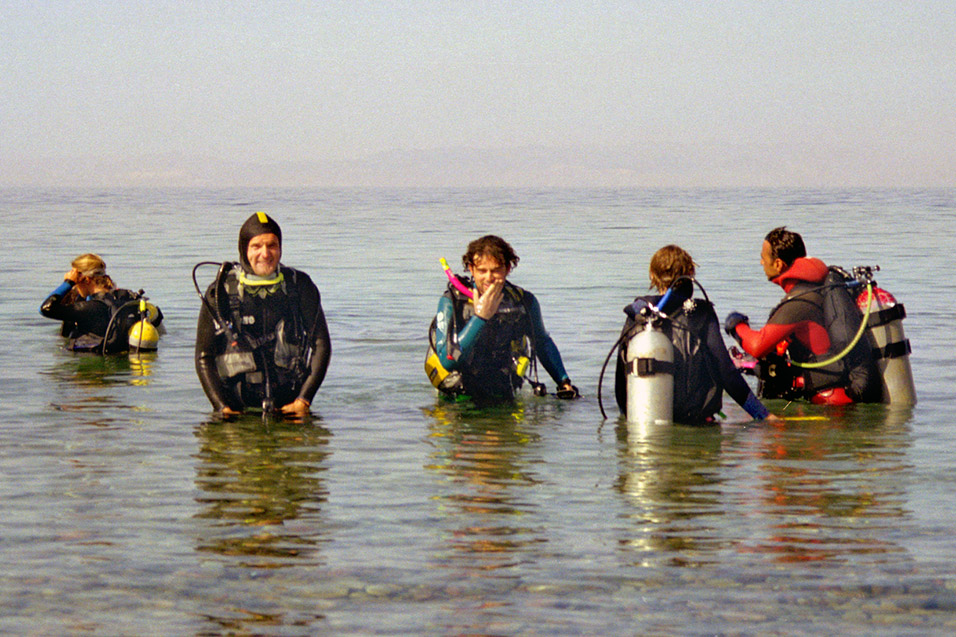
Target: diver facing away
x: 702, y: 367
x: 262, y: 338
x: 92, y: 309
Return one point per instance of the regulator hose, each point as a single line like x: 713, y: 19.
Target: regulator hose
x: 217, y: 318
x: 856, y: 338
x: 109, y: 326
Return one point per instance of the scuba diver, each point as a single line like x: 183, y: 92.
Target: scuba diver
x: 262, y: 339
x: 816, y: 317
x: 702, y: 367
x: 488, y: 331
x: 97, y: 316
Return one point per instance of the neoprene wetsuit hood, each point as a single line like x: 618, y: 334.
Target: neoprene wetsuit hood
x: 808, y: 269
x: 258, y: 223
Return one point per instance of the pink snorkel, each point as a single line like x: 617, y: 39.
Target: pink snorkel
x: 454, y: 279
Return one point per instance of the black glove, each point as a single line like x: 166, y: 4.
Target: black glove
x: 567, y: 391
x: 733, y: 320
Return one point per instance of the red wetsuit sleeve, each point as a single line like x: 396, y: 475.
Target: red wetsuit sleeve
x: 760, y: 343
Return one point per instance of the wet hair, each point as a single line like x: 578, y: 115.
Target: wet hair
x: 667, y: 265
x: 490, y: 246
x: 93, y: 267
x: 785, y: 245
x: 258, y: 223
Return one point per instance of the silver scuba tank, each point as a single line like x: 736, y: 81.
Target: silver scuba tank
x: 892, y: 347
x: 650, y: 376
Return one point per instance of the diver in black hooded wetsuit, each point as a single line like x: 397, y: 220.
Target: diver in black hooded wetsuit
x: 262, y: 339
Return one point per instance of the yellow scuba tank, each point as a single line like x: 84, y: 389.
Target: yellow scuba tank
x: 143, y: 335
x: 152, y: 312
x: 446, y: 381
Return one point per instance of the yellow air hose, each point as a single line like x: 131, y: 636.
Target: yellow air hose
x: 856, y: 339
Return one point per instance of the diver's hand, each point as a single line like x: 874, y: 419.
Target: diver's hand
x: 298, y: 407
x: 733, y: 320
x: 487, y: 304
x: 73, y: 276
x: 229, y: 412
x: 567, y: 391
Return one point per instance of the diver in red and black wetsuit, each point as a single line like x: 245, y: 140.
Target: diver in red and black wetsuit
x: 796, y: 325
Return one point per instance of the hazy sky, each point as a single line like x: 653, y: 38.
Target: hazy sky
x: 510, y: 93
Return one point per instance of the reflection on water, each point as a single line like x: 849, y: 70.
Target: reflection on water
x: 94, y: 370
x: 831, y: 485
x: 141, y: 367
x: 670, y: 475
x: 822, y: 487
x: 91, y: 383
x: 484, y: 455
x: 262, y: 491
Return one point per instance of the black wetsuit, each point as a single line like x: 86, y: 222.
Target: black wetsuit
x: 285, y: 330
x: 85, y: 320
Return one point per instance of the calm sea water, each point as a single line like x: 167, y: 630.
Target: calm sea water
x: 127, y: 509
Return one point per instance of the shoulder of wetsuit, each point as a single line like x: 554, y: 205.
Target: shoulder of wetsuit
x: 633, y: 309
x: 520, y: 295
x: 698, y: 306
x: 802, y: 292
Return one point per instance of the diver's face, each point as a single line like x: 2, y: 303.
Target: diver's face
x: 263, y: 254
x: 487, y: 271
x: 84, y: 285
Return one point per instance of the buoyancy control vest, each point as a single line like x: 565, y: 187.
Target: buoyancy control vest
x: 495, y: 364
x: 266, y: 351
x: 856, y: 371
x: 698, y: 393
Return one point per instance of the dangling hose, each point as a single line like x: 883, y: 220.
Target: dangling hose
x: 617, y: 344
x: 109, y: 326
x: 856, y: 339
x: 217, y: 319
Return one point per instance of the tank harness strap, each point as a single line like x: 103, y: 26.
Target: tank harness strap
x: 893, y: 350
x: 897, y: 312
x: 649, y: 367
x: 231, y: 288
x: 884, y: 317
